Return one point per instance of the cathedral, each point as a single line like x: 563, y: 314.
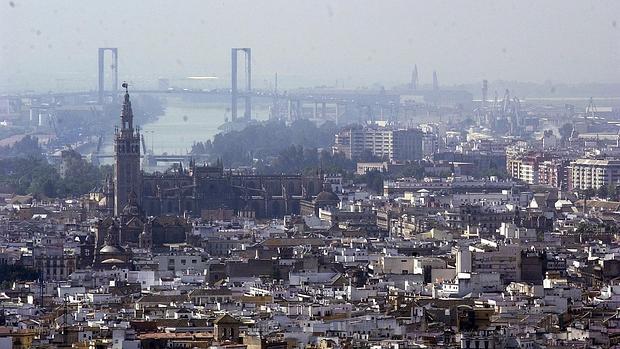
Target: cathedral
x: 198, y: 190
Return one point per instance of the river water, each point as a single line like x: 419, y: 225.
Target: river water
x: 185, y: 123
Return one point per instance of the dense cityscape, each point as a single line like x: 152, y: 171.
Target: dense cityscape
x: 413, y: 215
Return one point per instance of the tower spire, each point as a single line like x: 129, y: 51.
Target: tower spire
x: 127, y: 175
x: 127, y: 112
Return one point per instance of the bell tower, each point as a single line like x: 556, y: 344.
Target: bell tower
x: 127, y: 174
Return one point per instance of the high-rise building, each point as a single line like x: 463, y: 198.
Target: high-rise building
x: 127, y: 174
x: 383, y: 142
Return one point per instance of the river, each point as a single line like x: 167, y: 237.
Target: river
x: 184, y: 123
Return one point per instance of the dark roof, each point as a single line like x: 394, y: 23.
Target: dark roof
x: 226, y: 319
x: 167, y: 221
x: 158, y: 298
x: 284, y: 242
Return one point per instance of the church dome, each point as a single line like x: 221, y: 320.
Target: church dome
x: 327, y: 197
x: 107, y: 249
x: 112, y: 261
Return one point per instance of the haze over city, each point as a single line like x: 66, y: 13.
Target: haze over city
x: 50, y: 44
x: 309, y: 174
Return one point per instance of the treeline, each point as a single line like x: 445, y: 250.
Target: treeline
x: 34, y: 175
x: 24, y: 170
x: 274, y: 147
x: 12, y: 273
x: 28, y: 146
x: 265, y: 140
x: 297, y: 159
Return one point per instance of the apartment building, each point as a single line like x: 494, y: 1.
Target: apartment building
x: 554, y: 172
x: 538, y: 168
x: 593, y: 174
x: 525, y: 168
x: 383, y: 142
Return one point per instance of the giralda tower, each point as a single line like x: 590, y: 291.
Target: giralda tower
x: 127, y: 174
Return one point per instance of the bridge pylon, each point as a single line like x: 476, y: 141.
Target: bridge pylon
x: 101, y: 71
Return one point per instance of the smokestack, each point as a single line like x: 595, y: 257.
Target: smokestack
x: 485, y: 91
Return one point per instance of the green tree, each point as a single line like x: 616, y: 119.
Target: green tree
x: 588, y: 193
x: 27, y: 147
x: 374, y: 181
x: 565, y: 131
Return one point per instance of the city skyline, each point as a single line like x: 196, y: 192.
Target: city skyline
x: 337, y: 43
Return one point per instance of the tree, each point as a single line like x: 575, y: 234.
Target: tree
x: 265, y: 140
x: 374, y: 181
x: 36, y: 176
x: 588, y: 193
x: 368, y: 156
x: 607, y: 191
x: 565, y: 131
x: 12, y: 273
x: 27, y: 147
x: 412, y: 169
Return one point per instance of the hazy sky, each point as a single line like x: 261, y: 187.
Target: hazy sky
x: 53, y: 43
